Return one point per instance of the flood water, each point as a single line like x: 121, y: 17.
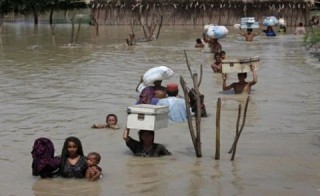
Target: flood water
x: 51, y: 90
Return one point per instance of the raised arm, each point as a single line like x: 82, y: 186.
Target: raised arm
x: 254, y: 74
x: 242, y: 33
x: 126, y: 135
x: 224, y: 85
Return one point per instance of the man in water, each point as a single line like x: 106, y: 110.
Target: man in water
x: 249, y: 35
x: 242, y: 86
x: 177, y: 105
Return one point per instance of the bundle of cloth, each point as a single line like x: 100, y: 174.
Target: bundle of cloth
x: 216, y: 31
x: 270, y: 21
x: 44, y: 163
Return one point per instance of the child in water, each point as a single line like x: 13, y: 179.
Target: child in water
x: 94, y: 171
x: 111, y: 121
x: 217, y: 65
x: 199, y: 43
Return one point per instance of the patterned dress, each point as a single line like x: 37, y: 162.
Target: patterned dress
x: 77, y: 170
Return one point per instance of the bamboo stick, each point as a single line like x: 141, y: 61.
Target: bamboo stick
x: 238, y: 135
x: 189, y: 118
x: 198, y: 115
x: 217, y: 156
x: 237, y: 127
x: 78, y: 31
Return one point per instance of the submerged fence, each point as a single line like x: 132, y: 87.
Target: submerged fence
x: 198, y: 12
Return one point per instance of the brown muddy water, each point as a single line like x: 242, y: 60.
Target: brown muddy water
x: 51, y: 90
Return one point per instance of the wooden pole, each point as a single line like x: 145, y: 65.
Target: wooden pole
x: 72, y: 31
x: 238, y: 135
x: 189, y: 118
x: 198, y: 115
x: 78, y: 31
x: 237, y: 127
x: 188, y: 65
x: 217, y: 156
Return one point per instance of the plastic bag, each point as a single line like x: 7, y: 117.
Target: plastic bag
x: 154, y: 74
x: 217, y: 32
x: 270, y: 21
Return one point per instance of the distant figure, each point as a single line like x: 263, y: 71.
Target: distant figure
x: 145, y: 147
x: 177, y: 106
x: 213, y: 43
x: 242, y: 86
x: 314, y: 21
x: 199, y: 43
x: 249, y: 35
x: 111, y: 122
x: 269, y: 31
x: 223, y: 55
x: 93, y: 172
x: 217, y: 65
x: 282, y: 29
x: 282, y: 25
x: 300, y: 30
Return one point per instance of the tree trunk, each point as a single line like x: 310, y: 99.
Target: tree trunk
x: 50, y: 16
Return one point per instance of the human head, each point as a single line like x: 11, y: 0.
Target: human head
x: 249, y: 30
x: 217, y: 57
x: 157, y: 83
x: 146, y: 136
x: 269, y: 28
x: 172, y: 90
x: 160, y: 94
x: 242, y: 76
x: 223, y: 54
x: 72, y: 147
x: 146, y: 95
x: 300, y: 24
x: 198, y: 41
x: 93, y: 158
x: 111, y: 119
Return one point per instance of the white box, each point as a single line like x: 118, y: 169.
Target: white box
x: 246, y: 25
x: 247, y: 20
x: 240, y: 65
x: 147, y: 117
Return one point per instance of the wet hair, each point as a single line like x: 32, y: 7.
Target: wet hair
x: 65, y: 154
x: 172, y: 93
x: 242, y: 74
x: 145, y: 131
x: 199, y: 41
x: 249, y: 30
x: 115, y: 116
x: 300, y: 24
x: 97, y: 156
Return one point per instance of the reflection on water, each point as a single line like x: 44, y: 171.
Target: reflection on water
x: 49, y: 89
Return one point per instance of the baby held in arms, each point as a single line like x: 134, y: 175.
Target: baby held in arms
x: 93, y: 172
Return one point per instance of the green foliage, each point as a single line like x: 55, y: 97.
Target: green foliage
x: 312, y: 37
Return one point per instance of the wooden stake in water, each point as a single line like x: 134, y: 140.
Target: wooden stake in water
x: 237, y: 127
x: 217, y: 156
x: 238, y: 135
